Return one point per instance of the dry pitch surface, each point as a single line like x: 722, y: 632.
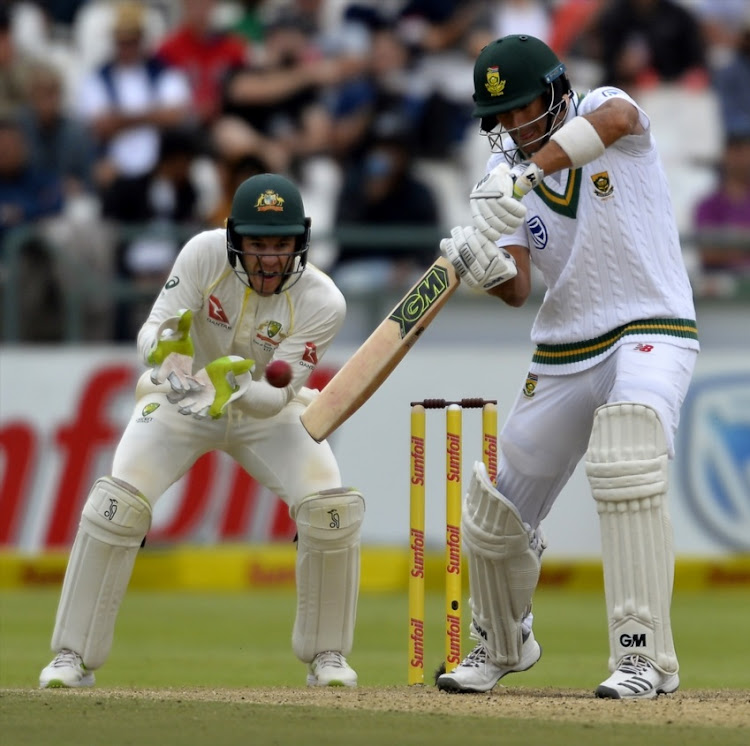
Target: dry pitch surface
x: 719, y: 708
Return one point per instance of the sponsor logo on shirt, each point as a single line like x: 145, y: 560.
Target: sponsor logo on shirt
x: 538, y: 232
x: 216, y: 313
x: 310, y: 356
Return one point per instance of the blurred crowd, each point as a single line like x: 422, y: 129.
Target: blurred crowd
x: 126, y: 126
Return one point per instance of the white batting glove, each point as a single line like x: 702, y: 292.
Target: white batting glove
x: 172, y: 355
x: 478, y: 262
x: 216, y: 386
x: 495, y: 208
x: 526, y: 176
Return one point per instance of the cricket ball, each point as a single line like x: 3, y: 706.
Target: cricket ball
x: 278, y: 373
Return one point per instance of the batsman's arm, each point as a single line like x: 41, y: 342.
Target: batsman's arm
x: 515, y: 292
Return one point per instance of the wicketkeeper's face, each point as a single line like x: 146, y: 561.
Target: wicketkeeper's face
x: 266, y: 260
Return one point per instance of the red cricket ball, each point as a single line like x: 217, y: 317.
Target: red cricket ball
x: 278, y: 373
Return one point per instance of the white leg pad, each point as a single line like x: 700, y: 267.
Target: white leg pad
x: 504, y: 560
x: 328, y: 540
x: 627, y: 465
x: 114, y: 522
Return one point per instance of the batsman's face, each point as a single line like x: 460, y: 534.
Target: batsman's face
x: 527, y: 125
x: 266, y: 259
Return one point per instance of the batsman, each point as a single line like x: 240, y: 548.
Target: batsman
x: 236, y: 299
x: 575, y: 187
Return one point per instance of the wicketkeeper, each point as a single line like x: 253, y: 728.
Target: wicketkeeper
x: 575, y: 187
x: 235, y: 300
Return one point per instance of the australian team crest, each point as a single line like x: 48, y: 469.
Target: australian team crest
x: 270, y: 200
x: 273, y: 328
x: 494, y: 85
x: 269, y: 334
x: 602, y: 185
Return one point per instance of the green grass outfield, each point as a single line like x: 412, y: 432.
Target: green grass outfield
x: 198, y: 668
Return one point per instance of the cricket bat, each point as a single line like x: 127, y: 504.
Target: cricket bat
x: 361, y: 376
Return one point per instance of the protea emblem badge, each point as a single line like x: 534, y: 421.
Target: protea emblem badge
x: 494, y: 85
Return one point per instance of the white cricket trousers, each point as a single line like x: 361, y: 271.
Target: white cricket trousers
x: 547, y: 434
x: 159, y: 445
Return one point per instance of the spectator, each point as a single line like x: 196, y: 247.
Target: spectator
x: 723, y: 23
x: 250, y: 23
x: 14, y: 66
x: 27, y: 193
x: 29, y: 196
x: 156, y: 209
x: 503, y: 17
x: 58, y: 143
x: 232, y: 172
x: 444, y: 35
x: 205, y: 54
x: 61, y: 12
x: 281, y: 98
x: 129, y: 100
x: 383, y: 191
x: 388, y: 89
x: 732, y: 85
x: 722, y: 220
x: 646, y: 42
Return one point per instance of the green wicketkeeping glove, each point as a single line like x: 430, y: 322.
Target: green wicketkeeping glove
x: 172, y: 355
x: 217, y: 385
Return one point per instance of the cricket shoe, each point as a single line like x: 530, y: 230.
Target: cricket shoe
x: 477, y: 673
x: 66, y: 670
x: 637, y: 678
x: 331, y: 669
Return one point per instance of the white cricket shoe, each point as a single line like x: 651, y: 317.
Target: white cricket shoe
x: 637, y: 678
x: 331, y: 669
x: 65, y: 670
x: 477, y: 673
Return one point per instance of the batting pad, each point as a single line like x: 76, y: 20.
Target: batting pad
x: 504, y: 560
x: 626, y: 465
x: 114, y: 522
x: 328, y: 538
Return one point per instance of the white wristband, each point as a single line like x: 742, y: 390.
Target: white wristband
x: 580, y: 141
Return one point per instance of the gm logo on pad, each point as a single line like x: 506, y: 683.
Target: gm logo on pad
x: 713, y: 457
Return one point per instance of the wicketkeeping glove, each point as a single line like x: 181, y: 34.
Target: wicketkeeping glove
x: 478, y: 262
x: 214, y: 387
x: 494, y: 205
x: 172, y: 355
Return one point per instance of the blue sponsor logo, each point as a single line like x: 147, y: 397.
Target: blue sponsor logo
x: 538, y: 232
x: 713, y: 452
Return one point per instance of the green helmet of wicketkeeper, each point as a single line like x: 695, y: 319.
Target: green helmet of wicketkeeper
x: 509, y: 74
x: 268, y: 205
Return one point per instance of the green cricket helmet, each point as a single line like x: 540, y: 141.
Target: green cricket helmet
x: 510, y: 73
x: 269, y: 205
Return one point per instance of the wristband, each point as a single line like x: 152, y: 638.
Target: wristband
x: 580, y: 141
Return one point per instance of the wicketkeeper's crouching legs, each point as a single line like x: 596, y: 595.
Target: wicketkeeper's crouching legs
x: 114, y: 522
x: 328, y: 549
x: 626, y: 465
x: 504, y: 560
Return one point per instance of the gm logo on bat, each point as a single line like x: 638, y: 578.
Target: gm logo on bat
x: 420, y: 299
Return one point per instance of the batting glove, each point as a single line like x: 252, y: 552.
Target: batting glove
x: 495, y: 208
x: 478, y: 262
